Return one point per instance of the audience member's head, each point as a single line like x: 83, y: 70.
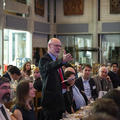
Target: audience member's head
x: 114, y: 67
x: 70, y: 77
x: 4, y: 90
x: 14, y: 72
x: 25, y: 92
x: 106, y: 106
x: 103, y: 72
x: 36, y: 73
x: 114, y: 95
x: 8, y: 67
x: 27, y: 68
x: 70, y: 69
x: 79, y: 68
x: 86, y: 71
x: 100, y: 116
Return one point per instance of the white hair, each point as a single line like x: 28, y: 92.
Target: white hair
x: 70, y: 69
x: 51, y: 40
x: 103, y: 67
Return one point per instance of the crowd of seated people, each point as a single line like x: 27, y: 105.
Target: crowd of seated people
x: 79, y: 90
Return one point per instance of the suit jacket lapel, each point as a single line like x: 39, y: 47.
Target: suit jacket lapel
x: 81, y: 84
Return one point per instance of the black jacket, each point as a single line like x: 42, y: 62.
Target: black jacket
x: 68, y: 97
x: 79, y: 84
x: 114, y: 78
x: 52, y: 97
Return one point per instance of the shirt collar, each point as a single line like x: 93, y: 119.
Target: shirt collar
x: 52, y: 56
x: 85, y: 80
x: 0, y: 105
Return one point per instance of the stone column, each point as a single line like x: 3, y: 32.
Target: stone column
x: 95, y: 28
x: 2, y: 20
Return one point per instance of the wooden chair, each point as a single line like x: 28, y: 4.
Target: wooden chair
x: 9, y: 104
x: 38, y: 95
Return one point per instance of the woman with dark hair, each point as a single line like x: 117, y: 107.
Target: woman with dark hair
x: 23, y: 109
x: 26, y: 70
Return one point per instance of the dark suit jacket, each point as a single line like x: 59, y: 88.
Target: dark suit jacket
x: 38, y: 84
x: 79, y: 84
x: 114, y: 78
x: 68, y: 97
x: 52, y: 97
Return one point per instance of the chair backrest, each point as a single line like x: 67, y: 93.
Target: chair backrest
x: 38, y: 95
x: 9, y: 105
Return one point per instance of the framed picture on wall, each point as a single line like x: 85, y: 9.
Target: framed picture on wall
x: 73, y: 7
x: 21, y: 1
x: 39, y: 7
x: 114, y: 6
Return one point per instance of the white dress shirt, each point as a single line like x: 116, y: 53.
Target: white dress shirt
x: 7, y: 112
x: 77, y: 96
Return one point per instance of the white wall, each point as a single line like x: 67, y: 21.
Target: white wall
x: 39, y: 41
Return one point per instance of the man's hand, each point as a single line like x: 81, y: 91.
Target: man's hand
x: 108, y: 78
x: 67, y: 57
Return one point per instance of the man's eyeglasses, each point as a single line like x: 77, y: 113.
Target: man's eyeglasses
x: 56, y: 45
x: 104, y: 72
x: 5, y: 87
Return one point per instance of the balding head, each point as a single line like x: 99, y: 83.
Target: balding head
x: 70, y: 69
x: 54, y: 46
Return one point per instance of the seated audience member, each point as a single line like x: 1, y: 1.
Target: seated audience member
x: 100, y: 116
x: 4, y: 98
x: 106, y: 106
x: 114, y: 75
x: 73, y: 98
x: 26, y: 70
x: 68, y: 95
x: 24, y: 109
x: 102, y: 80
x: 114, y: 95
x: 15, y: 74
x: 7, y: 74
x: 86, y: 84
x: 79, y: 70
x: 73, y: 70
x: 37, y: 79
x: 38, y: 86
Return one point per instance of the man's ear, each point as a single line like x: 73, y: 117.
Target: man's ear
x: 49, y: 45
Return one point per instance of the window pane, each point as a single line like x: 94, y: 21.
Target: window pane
x: 83, y: 41
x: 80, y: 46
x: 17, y: 46
x: 110, y: 48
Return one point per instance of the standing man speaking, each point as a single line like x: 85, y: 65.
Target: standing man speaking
x: 52, y: 97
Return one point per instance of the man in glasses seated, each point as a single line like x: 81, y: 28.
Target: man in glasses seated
x: 103, y: 81
x: 73, y: 98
